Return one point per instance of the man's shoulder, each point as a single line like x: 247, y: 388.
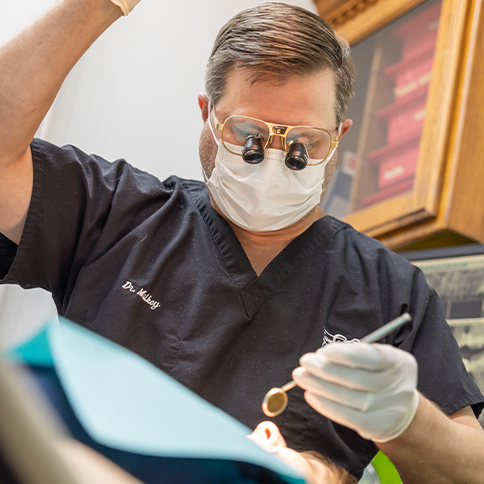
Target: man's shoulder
x: 356, y: 244
x: 117, y: 169
x: 344, y: 232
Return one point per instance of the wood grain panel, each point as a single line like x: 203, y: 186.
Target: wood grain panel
x: 441, y: 101
x: 446, y: 205
x: 373, y: 18
x: 465, y: 208
x: 339, y: 13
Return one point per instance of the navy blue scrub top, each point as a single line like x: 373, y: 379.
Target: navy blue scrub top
x: 153, y: 267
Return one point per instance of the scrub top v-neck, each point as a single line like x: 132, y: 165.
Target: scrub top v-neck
x: 254, y: 290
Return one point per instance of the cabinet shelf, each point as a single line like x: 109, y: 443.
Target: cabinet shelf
x: 422, y: 53
x: 418, y: 94
x: 403, y: 143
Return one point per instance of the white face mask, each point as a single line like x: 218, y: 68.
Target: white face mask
x: 267, y: 196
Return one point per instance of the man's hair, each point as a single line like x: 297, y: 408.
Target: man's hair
x: 338, y: 474
x: 276, y: 41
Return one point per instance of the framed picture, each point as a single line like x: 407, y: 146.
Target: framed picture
x: 457, y: 274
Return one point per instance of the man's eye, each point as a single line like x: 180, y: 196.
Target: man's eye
x: 305, y: 141
x: 244, y: 131
x: 311, y: 142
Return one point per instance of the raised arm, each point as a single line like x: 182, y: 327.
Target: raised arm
x: 33, y: 66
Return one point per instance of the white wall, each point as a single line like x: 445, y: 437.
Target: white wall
x: 22, y: 313
x: 133, y: 95
x: 18, y: 14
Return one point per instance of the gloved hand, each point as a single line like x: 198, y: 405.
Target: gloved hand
x: 126, y: 5
x: 370, y: 388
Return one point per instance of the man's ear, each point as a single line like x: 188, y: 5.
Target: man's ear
x: 203, y: 103
x: 345, y: 126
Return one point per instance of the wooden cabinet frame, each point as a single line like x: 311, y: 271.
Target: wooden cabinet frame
x: 446, y: 205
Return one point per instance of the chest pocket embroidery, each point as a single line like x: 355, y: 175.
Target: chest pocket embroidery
x: 143, y: 294
x: 329, y: 338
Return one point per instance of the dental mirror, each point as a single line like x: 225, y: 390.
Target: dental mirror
x: 275, y: 401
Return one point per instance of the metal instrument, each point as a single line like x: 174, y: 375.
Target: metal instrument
x: 275, y: 401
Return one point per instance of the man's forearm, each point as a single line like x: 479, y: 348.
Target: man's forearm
x: 435, y: 448
x: 34, y: 64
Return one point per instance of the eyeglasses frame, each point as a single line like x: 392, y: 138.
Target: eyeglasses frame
x: 278, y: 130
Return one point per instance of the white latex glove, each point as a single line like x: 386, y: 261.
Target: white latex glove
x: 126, y: 5
x: 370, y: 388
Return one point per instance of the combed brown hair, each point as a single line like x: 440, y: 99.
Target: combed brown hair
x: 277, y: 41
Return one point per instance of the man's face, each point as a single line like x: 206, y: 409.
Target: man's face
x: 300, y: 101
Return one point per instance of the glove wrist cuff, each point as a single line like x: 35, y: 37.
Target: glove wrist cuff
x: 407, y: 420
x: 126, y: 6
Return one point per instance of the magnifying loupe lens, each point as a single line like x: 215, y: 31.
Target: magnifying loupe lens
x: 297, y: 157
x: 253, y: 152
